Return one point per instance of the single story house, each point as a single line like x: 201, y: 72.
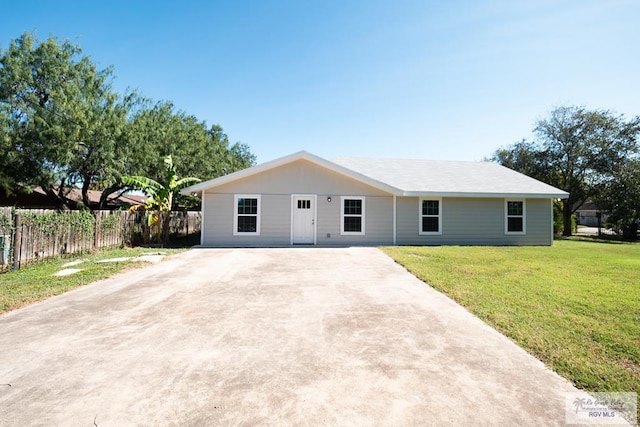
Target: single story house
x: 590, y: 215
x: 303, y: 199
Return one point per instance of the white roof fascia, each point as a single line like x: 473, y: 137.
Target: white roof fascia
x: 562, y: 195
x: 301, y: 155
x: 346, y: 171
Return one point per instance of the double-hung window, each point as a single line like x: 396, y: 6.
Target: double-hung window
x: 515, y: 217
x: 246, y: 215
x: 430, y: 216
x: 352, y: 215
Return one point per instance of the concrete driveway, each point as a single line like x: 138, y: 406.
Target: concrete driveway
x: 301, y: 336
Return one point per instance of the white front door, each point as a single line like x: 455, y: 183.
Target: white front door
x: 304, y: 223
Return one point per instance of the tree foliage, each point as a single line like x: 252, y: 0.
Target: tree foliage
x: 576, y: 150
x: 63, y: 126
x: 196, y: 149
x: 620, y: 196
x: 160, y: 193
x: 62, y: 117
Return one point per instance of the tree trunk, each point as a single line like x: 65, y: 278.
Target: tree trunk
x: 567, y: 229
x: 166, y: 222
x: 85, y: 193
x: 106, y: 193
x: 144, y: 226
x: 56, y: 197
x: 630, y: 232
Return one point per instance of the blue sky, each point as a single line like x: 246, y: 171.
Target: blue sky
x: 403, y: 78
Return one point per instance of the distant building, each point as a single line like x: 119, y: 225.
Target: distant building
x: 587, y: 214
x: 38, y: 199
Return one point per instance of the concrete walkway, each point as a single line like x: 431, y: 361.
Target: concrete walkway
x: 303, y: 336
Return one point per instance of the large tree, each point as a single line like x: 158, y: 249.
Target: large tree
x: 98, y: 160
x: 8, y: 161
x: 63, y: 118
x: 62, y: 126
x: 575, y: 149
x: 196, y: 150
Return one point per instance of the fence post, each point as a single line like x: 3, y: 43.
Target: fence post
x: 95, y: 230
x: 17, y: 241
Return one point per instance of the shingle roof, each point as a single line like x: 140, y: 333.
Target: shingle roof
x: 449, y: 178
x: 37, y: 198
x: 410, y: 177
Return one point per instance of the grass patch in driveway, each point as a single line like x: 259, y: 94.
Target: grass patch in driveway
x: 574, y: 305
x: 38, y: 282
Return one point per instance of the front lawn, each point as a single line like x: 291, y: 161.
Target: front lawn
x: 35, y: 283
x: 574, y: 305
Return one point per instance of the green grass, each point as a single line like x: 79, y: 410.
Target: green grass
x: 35, y: 283
x: 574, y: 305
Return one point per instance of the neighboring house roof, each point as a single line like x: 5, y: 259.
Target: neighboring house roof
x: 588, y: 206
x: 115, y: 199
x: 37, y: 198
x: 406, y: 177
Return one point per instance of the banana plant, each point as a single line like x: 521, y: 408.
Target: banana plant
x: 160, y: 195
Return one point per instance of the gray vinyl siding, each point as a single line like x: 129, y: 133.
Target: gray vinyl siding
x: 378, y: 222
x: 300, y: 177
x: 465, y: 221
x: 276, y: 187
x: 275, y: 217
x: 474, y: 221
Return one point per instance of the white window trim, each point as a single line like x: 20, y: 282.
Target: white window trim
x: 430, y: 233
x: 202, y: 216
x: 235, y: 214
x: 352, y: 233
x: 506, y: 217
x: 395, y: 220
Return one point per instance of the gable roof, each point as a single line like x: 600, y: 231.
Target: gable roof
x: 409, y: 177
x: 451, y: 178
x: 301, y: 155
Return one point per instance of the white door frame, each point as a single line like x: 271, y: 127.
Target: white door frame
x: 314, y: 200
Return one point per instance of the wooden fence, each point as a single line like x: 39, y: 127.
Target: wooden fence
x: 29, y: 236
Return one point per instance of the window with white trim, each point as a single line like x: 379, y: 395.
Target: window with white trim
x: 352, y: 215
x: 246, y: 214
x: 430, y: 216
x: 515, y: 217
